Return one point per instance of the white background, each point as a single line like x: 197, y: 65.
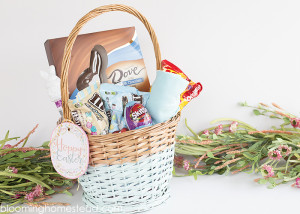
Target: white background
x: 239, y: 51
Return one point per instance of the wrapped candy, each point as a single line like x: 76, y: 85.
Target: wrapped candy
x: 137, y: 116
x: 115, y: 98
x: 88, y: 111
x: 193, y: 89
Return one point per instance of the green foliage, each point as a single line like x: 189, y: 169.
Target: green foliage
x: 246, y: 149
x: 256, y: 112
x: 34, y: 168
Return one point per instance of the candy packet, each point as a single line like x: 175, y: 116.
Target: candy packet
x: 193, y: 89
x: 112, y: 56
x: 115, y: 98
x: 88, y: 111
x: 136, y: 116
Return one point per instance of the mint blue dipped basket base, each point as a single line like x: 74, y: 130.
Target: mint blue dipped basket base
x: 129, y: 187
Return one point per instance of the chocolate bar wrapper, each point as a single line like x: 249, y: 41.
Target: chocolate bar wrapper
x: 125, y: 64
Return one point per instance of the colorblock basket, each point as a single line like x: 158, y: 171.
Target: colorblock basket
x: 129, y: 172
x: 129, y: 187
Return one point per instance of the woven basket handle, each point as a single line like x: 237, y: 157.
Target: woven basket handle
x: 74, y: 33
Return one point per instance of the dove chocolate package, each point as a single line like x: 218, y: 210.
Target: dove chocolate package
x: 112, y: 56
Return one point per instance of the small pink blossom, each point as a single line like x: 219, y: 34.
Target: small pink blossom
x: 30, y: 196
x: 233, y: 127
x: 206, y: 132
x: 17, y: 196
x: 285, y: 150
x: 38, y: 191
x: 12, y: 169
x: 178, y: 161
x: 7, y: 146
x: 295, y: 122
x: 186, y: 165
x: 268, y: 170
x: 298, y: 182
x: 275, y: 155
x: 218, y: 129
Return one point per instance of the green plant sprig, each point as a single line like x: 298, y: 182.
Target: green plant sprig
x: 34, y: 168
x: 245, y: 149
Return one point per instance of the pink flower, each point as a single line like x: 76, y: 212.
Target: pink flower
x: 275, y: 155
x: 7, y: 146
x: 29, y: 196
x: 186, y: 165
x: 233, y: 127
x: 38, y: 190
x: 295, y: 122
x: 12, y: 169
x: 178, y: 161
x: 285, y: 150
x: 206, y: 132
x: 298, y: 182
x: 17, y: 196
x: 268, y: 170
x: 218, y: 129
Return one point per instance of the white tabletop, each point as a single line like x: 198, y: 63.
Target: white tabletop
x: 210, y: 194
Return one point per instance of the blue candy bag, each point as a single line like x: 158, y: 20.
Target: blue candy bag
x: 115, y: 98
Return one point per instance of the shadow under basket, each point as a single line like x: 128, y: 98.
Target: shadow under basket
x: 129, y: 172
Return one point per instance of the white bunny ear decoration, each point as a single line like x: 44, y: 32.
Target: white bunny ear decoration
x: 53, y: 87
x: 44, y: 75
x: 50, y: 74
x: 52, y: 71
x: 52, y: 83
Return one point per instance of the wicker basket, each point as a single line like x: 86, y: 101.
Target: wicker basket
x: 129, y: 172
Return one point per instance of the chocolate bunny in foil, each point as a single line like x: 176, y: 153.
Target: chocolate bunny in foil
x: 97, y: 69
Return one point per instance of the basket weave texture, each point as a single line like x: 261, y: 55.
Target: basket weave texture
x: 129, y: 187
x: 130, y: 170
x: 132, y: 146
